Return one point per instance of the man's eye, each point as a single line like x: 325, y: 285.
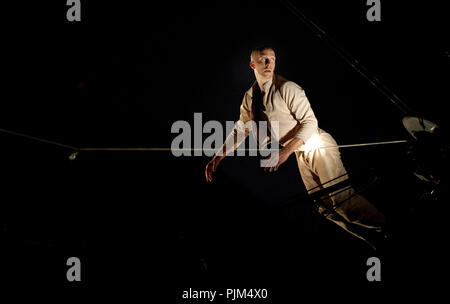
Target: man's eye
x: 271, y: 59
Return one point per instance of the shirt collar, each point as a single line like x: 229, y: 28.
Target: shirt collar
x: 266, y: 86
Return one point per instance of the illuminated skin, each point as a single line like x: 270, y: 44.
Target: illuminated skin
x: 263, y: 65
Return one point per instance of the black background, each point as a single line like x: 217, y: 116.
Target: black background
x: 147, y: 220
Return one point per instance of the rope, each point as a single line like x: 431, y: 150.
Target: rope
x: 43, y: 140
x: 34, y: 138
x: 368, y: 144
x: 247, y: 149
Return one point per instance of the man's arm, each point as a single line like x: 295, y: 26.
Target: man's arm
x: 234, y: 139
x: 299, y: 105
x: 293, y: 146
x: 284, y: 154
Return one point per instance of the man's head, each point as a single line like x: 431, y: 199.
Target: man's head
x: 262, y: 61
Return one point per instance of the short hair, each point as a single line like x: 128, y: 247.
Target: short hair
x: 260, y: 49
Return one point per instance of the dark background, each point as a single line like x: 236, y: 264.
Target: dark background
x: 147, y: 220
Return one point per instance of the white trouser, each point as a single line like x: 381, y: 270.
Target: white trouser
x: 318, y: 166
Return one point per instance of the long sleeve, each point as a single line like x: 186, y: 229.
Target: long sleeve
x: 300, y: 108
x: 241, y: 129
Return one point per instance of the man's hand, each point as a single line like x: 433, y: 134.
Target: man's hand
x: 211, y: 167
x: 283, y: 155
x: 273, y: 165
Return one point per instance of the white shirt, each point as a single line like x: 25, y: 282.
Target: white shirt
x: 284, y: 102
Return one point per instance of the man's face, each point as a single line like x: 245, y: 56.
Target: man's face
x: 263, y: 63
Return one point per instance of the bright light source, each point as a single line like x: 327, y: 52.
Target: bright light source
x: 312, y: 143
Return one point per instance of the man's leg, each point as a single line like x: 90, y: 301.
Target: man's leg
x: 313, y: 184
x: 322, y: 165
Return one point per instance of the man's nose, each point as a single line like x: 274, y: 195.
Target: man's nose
x: 267, y: 61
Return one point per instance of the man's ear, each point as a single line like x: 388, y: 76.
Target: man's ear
x: 252, y: 65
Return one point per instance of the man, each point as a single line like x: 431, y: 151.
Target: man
x: 275, y: 99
